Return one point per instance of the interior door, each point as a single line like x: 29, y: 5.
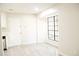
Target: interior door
x: 14, y: 31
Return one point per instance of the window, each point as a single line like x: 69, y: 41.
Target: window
x: 53, y: 33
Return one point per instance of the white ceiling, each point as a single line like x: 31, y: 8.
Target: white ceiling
x: 25, y: 7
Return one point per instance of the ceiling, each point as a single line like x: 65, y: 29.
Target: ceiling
x: 29, y: 8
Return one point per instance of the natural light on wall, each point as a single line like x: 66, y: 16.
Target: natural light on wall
x: 47, y: 12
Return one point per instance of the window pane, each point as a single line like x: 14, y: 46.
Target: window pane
x: 51, y: 23
x: 51, y: 36
x: 53, y: 28
x: 51, y: 32
x: 50, y: 19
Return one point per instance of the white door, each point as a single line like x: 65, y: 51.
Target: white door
x: 14, y: 31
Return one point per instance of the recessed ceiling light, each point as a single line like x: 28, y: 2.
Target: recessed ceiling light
x: 36, y: 9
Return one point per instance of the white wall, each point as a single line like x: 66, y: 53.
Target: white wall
x: 33, y: 29
x: 68, y: 28
x: 41, y: 29
x: 29, y: 29
x: 26, y: 29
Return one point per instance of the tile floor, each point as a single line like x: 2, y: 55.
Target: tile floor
x: 41, y: 49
